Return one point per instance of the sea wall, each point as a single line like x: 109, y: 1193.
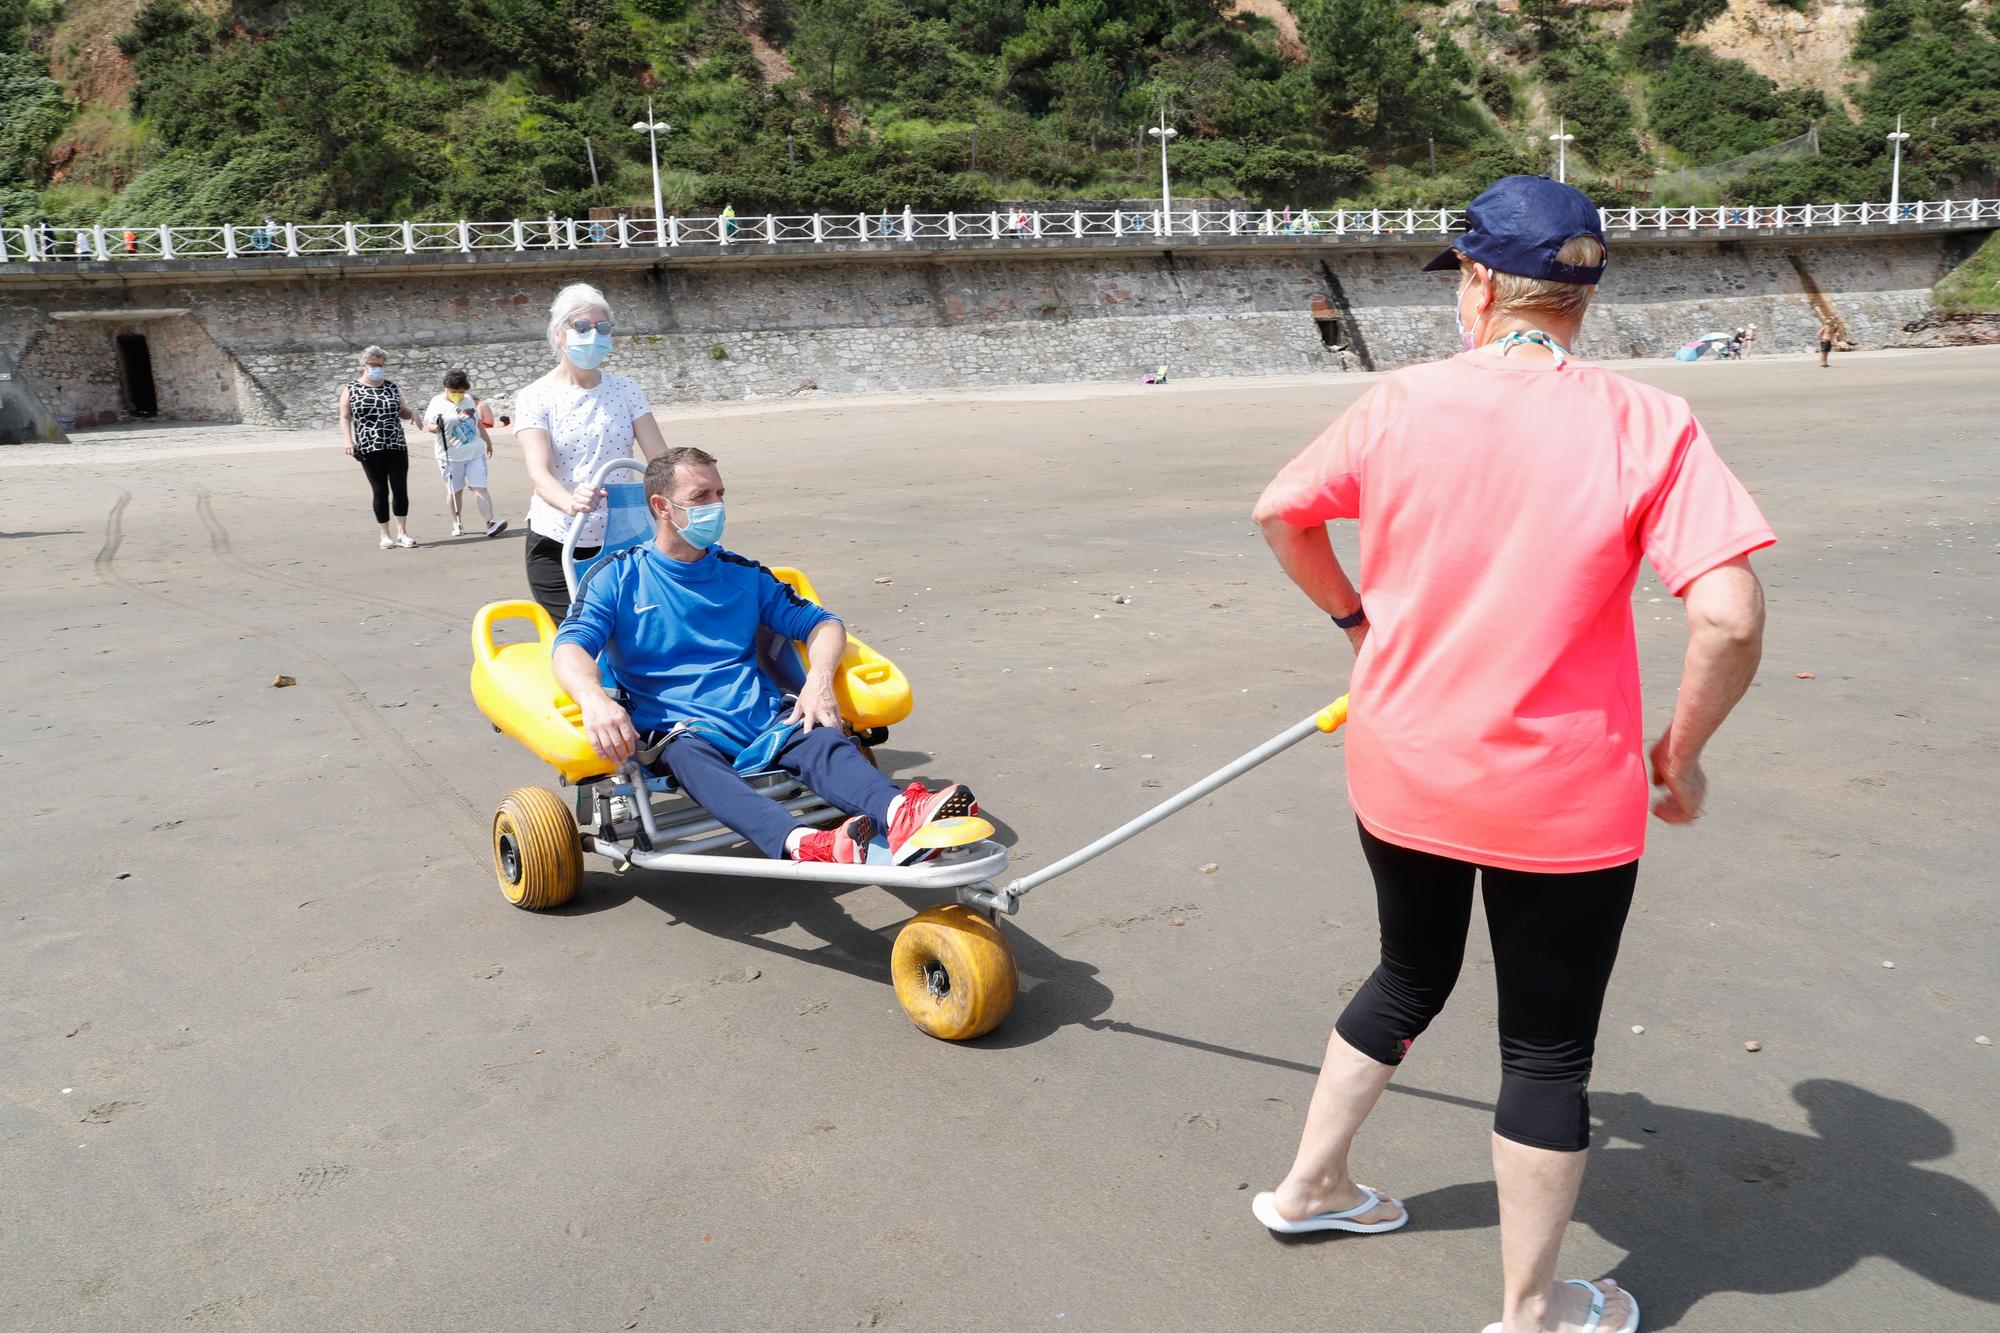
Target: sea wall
x: 273, y: 348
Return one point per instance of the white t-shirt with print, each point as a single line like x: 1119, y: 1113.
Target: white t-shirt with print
x: 586, y: 427
x: 462, y: 443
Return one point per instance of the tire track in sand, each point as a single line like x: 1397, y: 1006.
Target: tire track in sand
x: 464, y: 823
x: 218, y: 541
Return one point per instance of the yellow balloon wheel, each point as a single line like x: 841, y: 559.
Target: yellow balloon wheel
x: 536, y: 852
x: 954, y: 972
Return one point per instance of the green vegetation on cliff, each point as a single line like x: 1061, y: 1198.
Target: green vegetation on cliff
x: 487, y: 109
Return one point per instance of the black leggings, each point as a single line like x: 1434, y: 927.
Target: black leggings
x: 1554, y: 937
x: 545, y: 576
x: 388, y: 474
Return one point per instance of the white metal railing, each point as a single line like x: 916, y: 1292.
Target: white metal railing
x: 272, y: 240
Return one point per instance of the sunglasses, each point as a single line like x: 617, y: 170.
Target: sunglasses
x: 585, y: 326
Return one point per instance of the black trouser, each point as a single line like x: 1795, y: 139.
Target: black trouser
x: 545, y: 576
x: 1554, y: 937
x: 388, y: 474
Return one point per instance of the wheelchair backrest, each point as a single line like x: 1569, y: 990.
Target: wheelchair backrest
x: 627, y: 522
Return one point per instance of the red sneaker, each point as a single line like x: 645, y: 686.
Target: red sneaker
x: 846, y: 845
x: 919, y: 807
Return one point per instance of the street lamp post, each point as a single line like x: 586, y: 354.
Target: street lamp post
x: 1165, y: 133
x: 1561, y: 139
x: 1896, y: 172
x: 653, y: 129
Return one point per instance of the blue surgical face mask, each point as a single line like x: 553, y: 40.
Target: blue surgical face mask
x: 704, y: 525
x: 376, y: 374
x: 587, y: 351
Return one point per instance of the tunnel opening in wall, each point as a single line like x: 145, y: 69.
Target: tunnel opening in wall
x: 135, y: 374
x: 1332, y: 328
x: 102, y: 367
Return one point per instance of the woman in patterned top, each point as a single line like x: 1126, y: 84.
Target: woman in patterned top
x: 372, y: 413
x: 568, y: 423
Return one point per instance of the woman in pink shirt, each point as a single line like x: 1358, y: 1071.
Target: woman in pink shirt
x: 1505, y: 498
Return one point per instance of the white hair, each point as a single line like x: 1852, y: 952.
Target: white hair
x: 371, y: 351
x: 570, y: 302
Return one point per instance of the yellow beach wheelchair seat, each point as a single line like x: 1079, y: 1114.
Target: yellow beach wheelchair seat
x: 514, y: 684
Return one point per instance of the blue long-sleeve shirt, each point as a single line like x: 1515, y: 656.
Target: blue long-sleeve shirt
x: 682, y: 636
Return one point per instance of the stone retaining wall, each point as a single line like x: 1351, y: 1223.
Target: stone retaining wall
x: 275, y: 350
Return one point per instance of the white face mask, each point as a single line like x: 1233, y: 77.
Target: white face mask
x: 1465, y: 335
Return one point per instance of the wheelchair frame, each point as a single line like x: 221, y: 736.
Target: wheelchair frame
x: 684, y: 838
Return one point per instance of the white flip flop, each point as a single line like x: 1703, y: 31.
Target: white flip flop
x: 1596, y: 1322
x: 1265, y: 1207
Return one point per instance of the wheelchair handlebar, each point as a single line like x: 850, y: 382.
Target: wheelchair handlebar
x: 609, y: 466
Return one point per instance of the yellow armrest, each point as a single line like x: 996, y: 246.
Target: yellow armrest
x: 515, y: 686
x: 872, y: 691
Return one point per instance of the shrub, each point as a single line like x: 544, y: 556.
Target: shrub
x: 32, y: 114
x: 1712, y: 108
x: 1658, y: 25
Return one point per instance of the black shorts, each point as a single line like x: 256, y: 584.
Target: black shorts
x: 1825, y: 346
x: 545, y: 574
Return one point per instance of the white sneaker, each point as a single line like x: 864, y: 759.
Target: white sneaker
x: 406, y: 541
x: 496, y: 527
x: 457, y: 530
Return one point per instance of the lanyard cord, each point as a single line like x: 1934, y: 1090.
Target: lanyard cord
x: 1540, y: 339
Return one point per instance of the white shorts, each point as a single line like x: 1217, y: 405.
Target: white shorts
x: 458, y: 476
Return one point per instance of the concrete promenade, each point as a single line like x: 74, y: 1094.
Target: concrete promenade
x: 275, y: 1054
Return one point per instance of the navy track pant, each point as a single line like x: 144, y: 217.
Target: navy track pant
x: 825, y: 759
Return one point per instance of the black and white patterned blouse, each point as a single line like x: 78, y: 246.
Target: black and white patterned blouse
x: 377, y: 413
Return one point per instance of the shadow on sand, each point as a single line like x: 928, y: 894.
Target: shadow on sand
x: 1704, y: 1203
x: 1055, y: 991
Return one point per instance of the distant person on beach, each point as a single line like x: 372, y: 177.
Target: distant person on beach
x: 1494, y: 726
x: 1827, y: 333
x: 372, y: 413
x: 461, y: 422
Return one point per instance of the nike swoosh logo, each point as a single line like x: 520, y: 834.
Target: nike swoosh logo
x: 654, y: 607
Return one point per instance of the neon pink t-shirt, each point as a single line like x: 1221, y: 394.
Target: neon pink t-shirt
x: 1504, y: 506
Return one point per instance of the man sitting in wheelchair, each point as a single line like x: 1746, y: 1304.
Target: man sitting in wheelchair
x: 678, y: 619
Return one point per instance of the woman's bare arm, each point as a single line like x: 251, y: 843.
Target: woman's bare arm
x: 538, y: 453
x: 651, y: 443
x: 1306, y: 555
x: 1725, y: 611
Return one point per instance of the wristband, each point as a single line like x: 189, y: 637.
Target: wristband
x: 1359, y: 615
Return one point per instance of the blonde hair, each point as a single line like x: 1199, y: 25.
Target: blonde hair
x: 570, y: 302
x: 1514, y: 294
x: 370, y: 352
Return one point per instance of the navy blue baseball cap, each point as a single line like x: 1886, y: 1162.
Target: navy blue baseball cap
x: 1517, y: 224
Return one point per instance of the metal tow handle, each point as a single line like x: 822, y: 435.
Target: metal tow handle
x: 1327, y: 719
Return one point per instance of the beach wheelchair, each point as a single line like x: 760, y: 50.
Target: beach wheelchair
x: 953, y: 970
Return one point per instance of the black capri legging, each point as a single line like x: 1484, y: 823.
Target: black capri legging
x: 545, y: 576
x: 1555, y: 938
x: 388, y: 475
